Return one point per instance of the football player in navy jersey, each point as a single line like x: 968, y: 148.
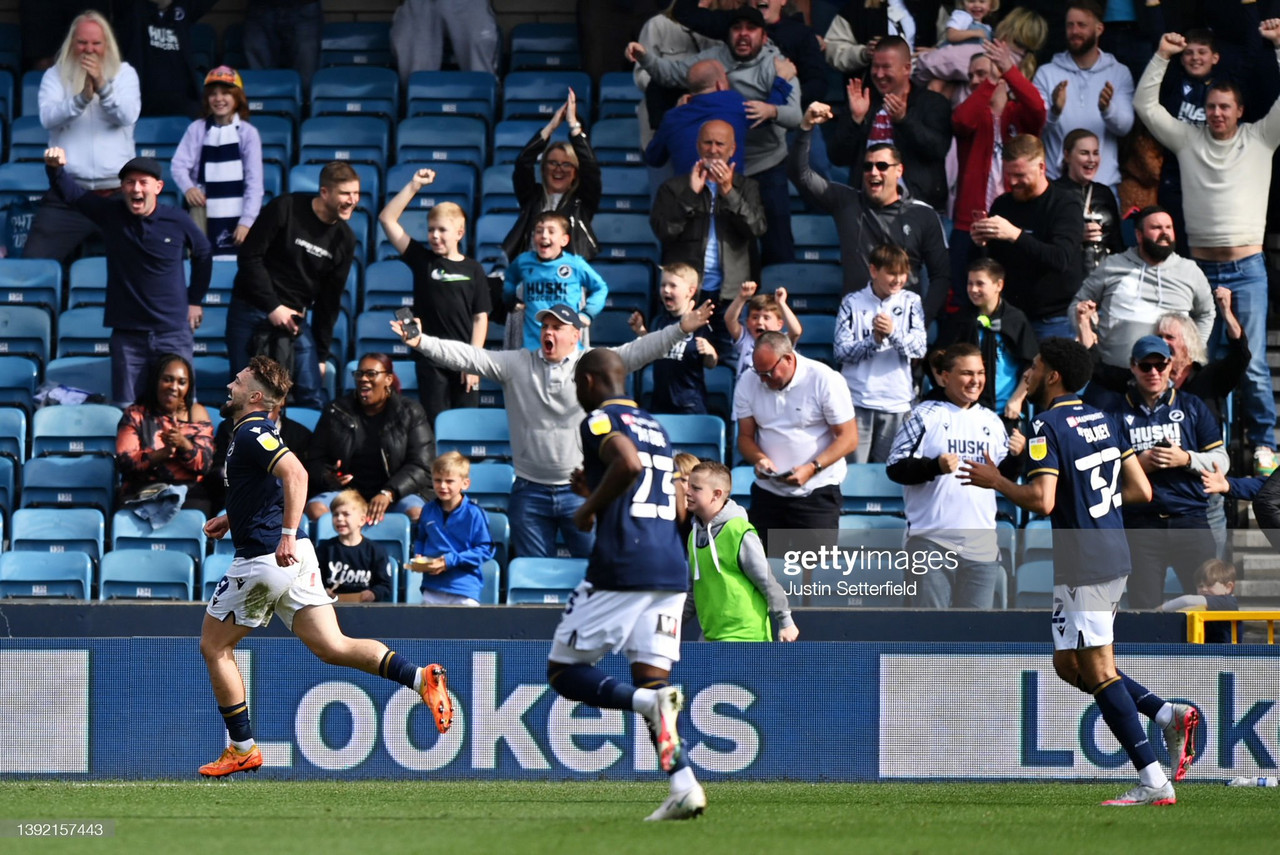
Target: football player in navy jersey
x: 633, y: 595
x: 275, y: 571
x: 1081, y: 470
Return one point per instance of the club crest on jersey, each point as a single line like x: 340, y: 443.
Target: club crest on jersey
x: 1038, y: 447
x: 599, y: 425
x: 268, y: 441
x: 1176, y: 415
x: 563, y: 271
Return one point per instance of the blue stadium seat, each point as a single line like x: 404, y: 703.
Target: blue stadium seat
x: 272, y: 181
x: 31, y: 93
x: 13, y: 434
x: 810, y: 287
x: 305, y: 416
x: 28, y: 140
x: 626, y: 188
x: 491, y: 485
x: 60, y: 482
x: 81, y: 333
x: 364, y: 139
x: 394, y: 534
x: 500, y: 534
x: 10, y: 61
x: 305, y: 178
x: 388, y: 285
x: 158, y: 136
x: 491, y: 230
x: 626, y: 236
x: 1036, y: 541
x: 9, y: 472
x: 743, y: 478
x: 619, y: 97
x: 881, y: 534
x: 359, y: 223
x: 720, y: 382
x: 455, y: 182
x: 510, y: 136
x: 183, y: 534
x: 18, y: 378
x: 538, y: 94
x: 699, y: 435
x: 145, y: 575
x: 868, y: 490
x: 631, y: 285
x: 23, y: 180
x: 221, y: 283
x: 66, y: 574
x: 89, y: 373
x: 610, y: 329
x: 815, y: 237
x: 429, y: 139
x: 374, y: 335
x: 277, y: 139
x: 80, y: 429
x: 350, y: 91
x: 475, y: 433
x: 617, y: 142
x: 453, y: 93
x: 818, y: 340
x: 543, y: 580
x: 497, y: 192
x: 88, y: 282
x: 276, y: 91
x: 212, y: 569
x: 211, y: 336
x: 212, y: 375
x: 31, y: 282
x: 538, y: 44
x: 1034, y: 585
x: 359, y: 43
x: 58, y: 530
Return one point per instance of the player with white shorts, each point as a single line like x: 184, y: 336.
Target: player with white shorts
x: 642, y: 625
x: 254, y: 589
x: 1084, y: 615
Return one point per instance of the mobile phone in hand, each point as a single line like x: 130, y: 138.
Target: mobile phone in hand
x: 404, y: 315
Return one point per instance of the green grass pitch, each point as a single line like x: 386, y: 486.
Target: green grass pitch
x: 522, y: 818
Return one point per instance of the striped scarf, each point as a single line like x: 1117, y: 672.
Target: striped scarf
x: 222, y: 173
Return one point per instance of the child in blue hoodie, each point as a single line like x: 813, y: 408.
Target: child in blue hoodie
x: 548, y: 274
x: 453, y: 537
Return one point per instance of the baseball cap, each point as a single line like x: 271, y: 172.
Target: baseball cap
x: 563, y: 313
x: 224, y: 75
x: 145, y: 165
x: 747, y: 13
x: 1150, y: 345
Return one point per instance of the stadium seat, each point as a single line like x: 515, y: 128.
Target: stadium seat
x: 491, y: 230
x: 59, y: 530
x: 489, y: 594
x: 10, y: 62
x: 616, y: 142
x: 500, y: 534
x: 305, y: 416
x: 630, y: 286
x: 453, y: 93
x: 868, y: 490
x: 619, y: 98
x: 720, y: 383
x: 69, y: 482
x: 221, y: 283
x: 538, y: 44
x: 374, y: 335
x: 610, y: 329
x: 543, y: 580
x: 28, y: 140
x: 80, y: 429
x: 145, y: 575
x: 25, y: 331
x: 184, y: 534
x: 815, y: 237
x: 491, y: 485
x: 1034, y: 585
x: 475, y: 433
x: 272, y: 180
x: 211, y: 335
x: 881, y: 535
x: 362, y: 139
x: 626, y: 188
x: 497, y: 190
x: 88, y: 282
x: 24, y: 180
x: 811, y: 287
x: 347, y: 43
x: 158, y: 136
x: 818, y: 340
x: 65, y: 574
x: 275, y: 91
x: 429, y: 139
x: 349, y: 91
x: 212, y: 569
x: 277, y: 139
x: 89, y: 373
x: 699, y: 435
x: 31, y: 282
x: 13, y: 434
x: 81, y: 333
x: 743, y: 478
x: 538, y: 94
x: 212, y: 375
x: 510, y: 136
x: 18, y: 378
x: 31, y: 93
x: 394, y: 534
x: 1036, y: 541
x: 388, y: 285
x: 626, y: 236
x: 455, y: 182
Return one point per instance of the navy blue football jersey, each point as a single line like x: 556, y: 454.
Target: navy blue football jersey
x: 1085, y: 449
x: 637, y: 544
x: 1180, y: 419
x: 255, y: 499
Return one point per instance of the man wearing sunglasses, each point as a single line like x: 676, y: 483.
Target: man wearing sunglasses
x: 1176, y: 438
x: 880, y: 212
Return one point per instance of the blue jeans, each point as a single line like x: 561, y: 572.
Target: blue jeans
x: 133, y: 352
x: 308, y: 385
x: 1247, y: 281
x: 1057, y: 326
x: 777, y: 246
x: 284, y: 37
x: 536, y: 511
x: 972, y: 585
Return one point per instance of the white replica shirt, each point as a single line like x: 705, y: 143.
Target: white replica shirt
x: 952, y: 514
x: 793, y: 424
x: 879, y: 373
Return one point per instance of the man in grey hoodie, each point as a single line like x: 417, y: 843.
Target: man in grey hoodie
x: 1129, y: 292
x: 1086, y: 87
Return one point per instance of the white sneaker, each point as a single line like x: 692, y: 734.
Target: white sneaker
x: 1144, y: 795
x: 683, y: 805
x: 666, y: 707
x: 1180, y: 739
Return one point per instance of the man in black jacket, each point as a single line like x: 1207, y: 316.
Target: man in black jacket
x: 894, y: 110
x: 878, y: 213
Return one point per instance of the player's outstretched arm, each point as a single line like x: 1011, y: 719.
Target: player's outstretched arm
x: 622, y: 465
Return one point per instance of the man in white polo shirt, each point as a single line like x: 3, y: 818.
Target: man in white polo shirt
x: 795, y: 426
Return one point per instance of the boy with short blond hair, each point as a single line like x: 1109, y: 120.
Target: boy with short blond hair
x: 548, y: 275
x: 450, y: 293
x: 765, y: 313
x: 679, y: 382
x: 354, y: 568
x: 453, y: 539
x: 879, y: 330
x: 734, y: 589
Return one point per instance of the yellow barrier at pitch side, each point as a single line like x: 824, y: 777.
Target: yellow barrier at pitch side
x: 1197, y: 619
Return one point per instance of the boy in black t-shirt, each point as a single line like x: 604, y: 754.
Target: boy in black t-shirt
x: 353, y: 568
x: 450, y: 293
x: 679, y: 384
x: 1215, y: 592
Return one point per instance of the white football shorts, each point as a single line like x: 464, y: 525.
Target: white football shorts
x: 1084, y: 615
x: 256, y: 588
x: 645, y: 625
